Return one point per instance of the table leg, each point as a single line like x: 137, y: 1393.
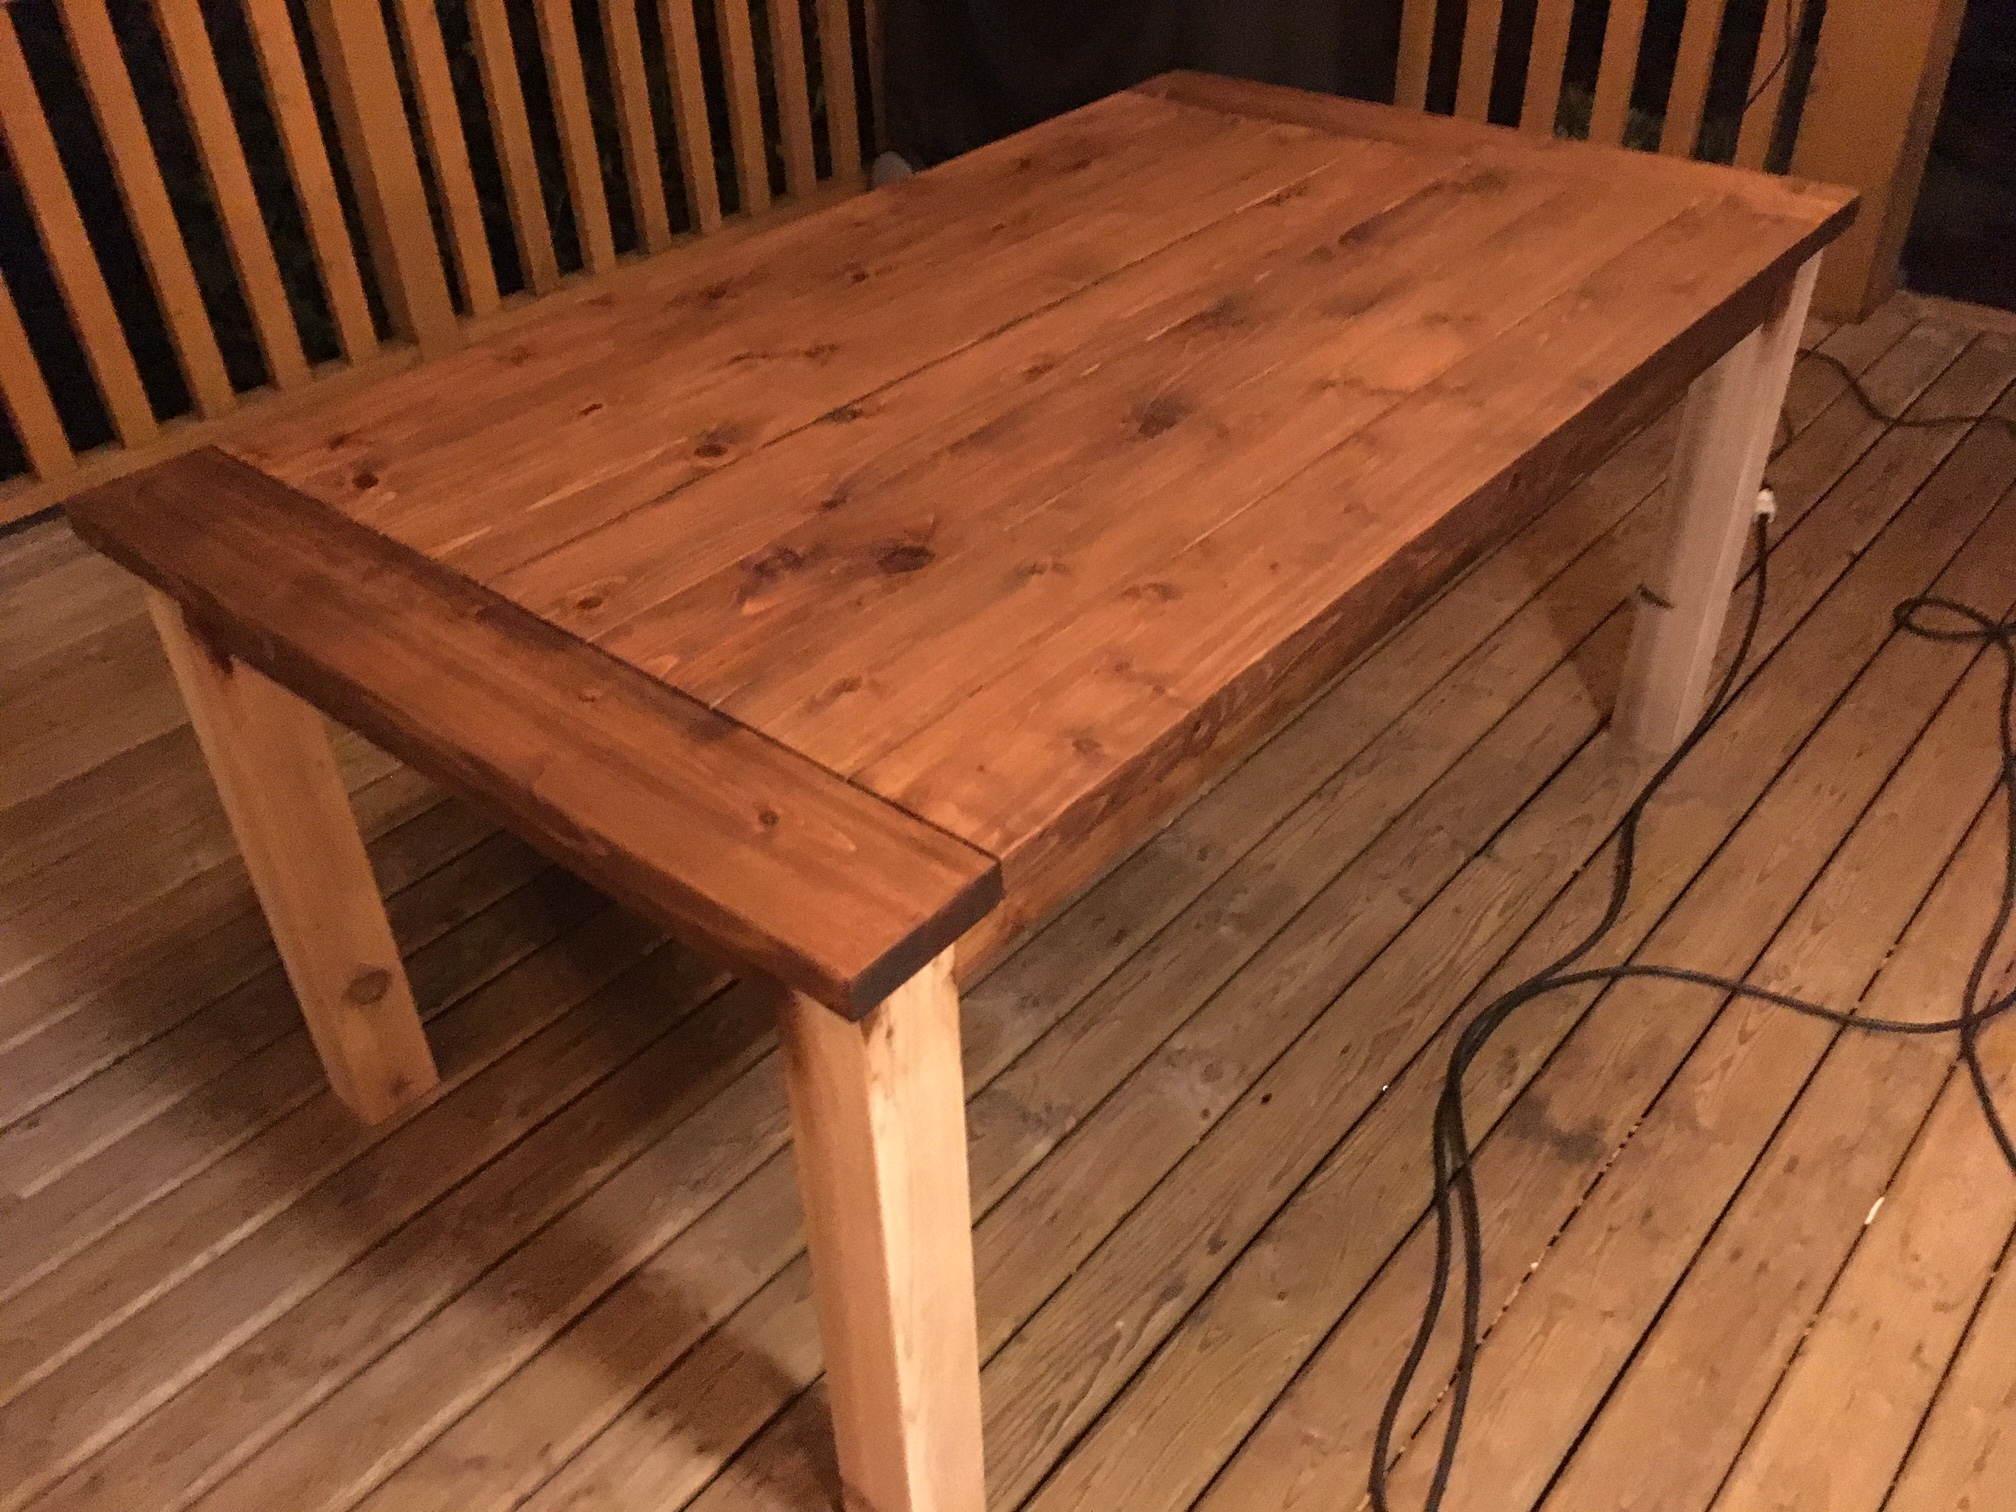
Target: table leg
x: 1725, y: 439
x: 878, y: 1113
x: 270, y: 758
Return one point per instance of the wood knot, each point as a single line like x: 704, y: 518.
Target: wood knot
x: 369, y: 986
x: 907, y: 556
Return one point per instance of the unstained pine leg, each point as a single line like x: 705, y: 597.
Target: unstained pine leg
x: 1725, y: 439
x: 270, y: 757
x: 878, y: 1114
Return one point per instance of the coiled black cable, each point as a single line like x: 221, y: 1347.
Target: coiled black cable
x: 1455, y: 1201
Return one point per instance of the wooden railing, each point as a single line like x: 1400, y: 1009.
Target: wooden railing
x: 339, y: 188
x: 210, y: 208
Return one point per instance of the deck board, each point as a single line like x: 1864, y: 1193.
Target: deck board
x: 574, y: 1278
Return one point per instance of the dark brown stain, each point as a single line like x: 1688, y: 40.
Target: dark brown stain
x: 857, y: 275
x: 1087, y: 745
x: 1531, y: 1119
x: 1039, y: 367
x: 364, y: 478
x: 710, y: 450
x: 593, y: 406
x: 904, y: 556
x: 588, y: 603
x: 342, y: 439
x: 1295, y: 191
x: 1155, y: 416
x: 837, y: 499
x: 518, y: 356
x: 767, y: 818
x: 1157, y: 592
x: 715, y: 293
x: 819, y: 351
x: 845, y: 414
x: 1483, y: 181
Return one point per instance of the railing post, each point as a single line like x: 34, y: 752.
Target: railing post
x: 356, y: 58
x: 1877, y: 86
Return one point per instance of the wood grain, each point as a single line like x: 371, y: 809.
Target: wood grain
x: 290, y: 813
x: 878, y: 1121
x: 729, y: 840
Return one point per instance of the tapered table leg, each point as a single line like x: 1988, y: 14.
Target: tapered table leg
x: 1725, y: 440
x: 879, y: 1118
x: 270, y: 757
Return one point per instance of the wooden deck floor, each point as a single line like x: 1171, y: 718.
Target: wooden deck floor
x: 1735, y: 1260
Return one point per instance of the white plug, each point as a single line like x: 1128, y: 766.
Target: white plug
x: 1767, y: 503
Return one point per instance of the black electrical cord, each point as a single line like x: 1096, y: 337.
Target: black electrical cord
x: 1455, y: 1184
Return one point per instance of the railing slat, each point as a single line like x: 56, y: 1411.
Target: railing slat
x: 1691, y: 73
x: 745, y: 103
x: 26, y: 396
x: 355, y: 53
x: 78, y: 275
x: 577, y: 134
x: 314, y: 183
x: 441, y: 120
x: 794, y: 96
x: 490, y: 30
x: 124, y: 132
x: 689, y: 111
x: 1480, y: 58
x: 1767, y: 86
x: 1618, y: 71
x: 210, y: 121
x: 836, y: 66
x: 633, y: 121
x: 1417, y: 48
x: 1545, y: 64
x: 878, y: 100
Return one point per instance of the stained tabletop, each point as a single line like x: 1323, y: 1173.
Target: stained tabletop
x: 1003, y: 491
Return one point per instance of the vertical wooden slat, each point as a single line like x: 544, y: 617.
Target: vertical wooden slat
x: 54, y: 209
x: 1878, y: 81
x: 1691, y: 72
x: 490, y: 30
x: 1545, y: 63
x: 355, y: 52
x: 794, y: 95
x: 1617, y: 72
x: 633, y: 121
x: 1417, y: 48
x: 441, y: 120
x: 216, y: 133
x: 877, y: 41
x: 689, y: 112
x: 314, y: 184
x: 27, y: 397
x: 836, y: 65
x: 1767, y: 86
x: 1480, y: 58
x: 745, y: 104
x: 124, y: 132
x: 577, y: 134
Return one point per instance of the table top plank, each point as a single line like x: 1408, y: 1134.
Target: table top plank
x: 1348, y: 546
x: 739, y: 846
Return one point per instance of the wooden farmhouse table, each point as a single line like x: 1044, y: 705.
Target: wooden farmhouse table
x: 845, y: 597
